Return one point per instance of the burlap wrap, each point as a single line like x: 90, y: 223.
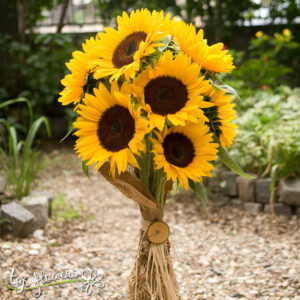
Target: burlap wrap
x: 133, y: 188
x: 152, y: 277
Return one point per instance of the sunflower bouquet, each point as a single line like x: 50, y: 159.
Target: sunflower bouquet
x: 152, y: 111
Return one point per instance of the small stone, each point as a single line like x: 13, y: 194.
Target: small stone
x: 20, y: 219
x: 214, y: 184
x: 253, y: 207
x: 218, y: 199
x: 238, y: 295
x: 217, y: 271
x: 38, y: 234
x: 253, y: 292
x: 39, y: 207
x: 19, y: 248
x: 200, y: 291
x: 6, y: 246
x: 236, y: 202
x: 212, y: 280
x: 245, y: 188
x: 229, y: 186
x: 33, y: 252
x: 289, y: 192
x: 263, y: 190
x: 36, y: 246
x: 280, y: 209
x: 44, y: 194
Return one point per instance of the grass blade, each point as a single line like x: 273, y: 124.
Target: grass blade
x: 18, y: 100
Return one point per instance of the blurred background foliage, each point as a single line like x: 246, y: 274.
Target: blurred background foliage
x: 263, y: 37
x: 34, y: 63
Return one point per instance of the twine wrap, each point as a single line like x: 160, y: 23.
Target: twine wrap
x: 144, y: 225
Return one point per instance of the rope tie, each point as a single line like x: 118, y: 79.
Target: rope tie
x: 144, y: 225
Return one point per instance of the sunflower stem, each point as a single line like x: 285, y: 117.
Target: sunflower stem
x: 159, y: 187
x: 145, y: 162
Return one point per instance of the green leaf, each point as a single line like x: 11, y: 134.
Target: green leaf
x: 29, y: 140
x: 85, y: 168
x: 166, y: 40
x: 231, y: 164
x: 13, y: 144
x: 69, y: 132
x: 18, y: 100
x: 200, y: 190
x: 225, y: 87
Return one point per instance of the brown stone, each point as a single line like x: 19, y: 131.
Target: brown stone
x: 245, y: 188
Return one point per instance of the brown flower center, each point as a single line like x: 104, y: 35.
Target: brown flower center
x: 165, y: 95
x: 178, y: 149
x: 123, y: 54
x: 116, y: 128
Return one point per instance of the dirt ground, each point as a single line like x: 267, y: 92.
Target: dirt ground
x: 224, y: 254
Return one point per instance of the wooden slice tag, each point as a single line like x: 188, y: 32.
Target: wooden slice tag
x: 158, y: 232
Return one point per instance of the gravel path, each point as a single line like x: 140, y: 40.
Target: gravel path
x: 225, y: 254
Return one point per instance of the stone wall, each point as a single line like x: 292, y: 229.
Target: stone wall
x: 254, y: 194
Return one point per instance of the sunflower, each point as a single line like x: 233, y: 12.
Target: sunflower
x: 122, y: 50
x: 185, y: 152
x: 109, y: 128
x: 220, y: 116
x: 171, y: 89
x: 78, y: 82
x: 212, y: 58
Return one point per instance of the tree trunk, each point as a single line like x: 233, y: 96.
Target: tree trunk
x: 22, y: 12
x: 61, y: 22
x: 153, y: 276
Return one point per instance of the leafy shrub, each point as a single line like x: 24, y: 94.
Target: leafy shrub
x: 268, y: 138
x: 34, y: 70
x: 266, y: 65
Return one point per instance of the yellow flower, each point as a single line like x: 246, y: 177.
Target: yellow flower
x: 121, y: 50
x: 172, y: 89
x: 212, y: 58
x: 109, y: 128
x: 185, y: 152
x: 220, y: 117
x: 76, y: 83
x: 286, y: 32
x: 259, y: 34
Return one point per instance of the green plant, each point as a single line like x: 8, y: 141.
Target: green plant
x: 34, y: 70
x: 62, y: 210
x: 268, y: 138
x: 266, y: 65
x: 21, y: 163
